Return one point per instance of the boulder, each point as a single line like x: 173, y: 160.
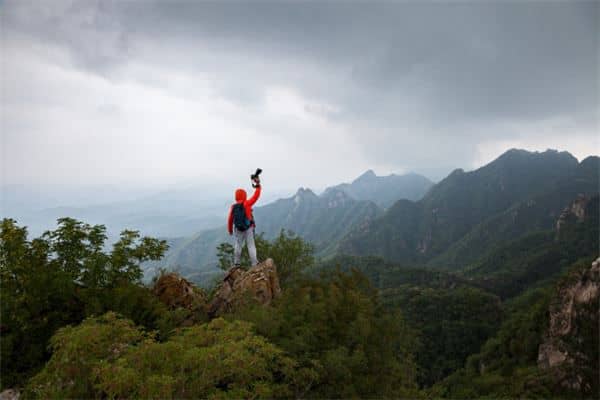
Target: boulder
x: 10, y: 394
x: 260, y: 283
x: 177, y: 292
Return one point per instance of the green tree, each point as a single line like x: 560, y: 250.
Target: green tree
x: 78, y: 352
x: 337, y: 323
x: 61, y: 277
x: 108, y: 357
x: 36, y: 299
x: 225, y: 252
x: 290, y: 252
x: 506, y: 365
x: 451, y: 323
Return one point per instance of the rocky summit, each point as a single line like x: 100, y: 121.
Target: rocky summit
x: 260, y: 283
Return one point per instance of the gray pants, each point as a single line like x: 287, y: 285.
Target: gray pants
x: 246, y: 236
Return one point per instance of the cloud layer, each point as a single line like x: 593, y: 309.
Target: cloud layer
x: 314, y: 93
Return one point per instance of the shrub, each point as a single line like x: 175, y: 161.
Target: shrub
x: 108, y: 357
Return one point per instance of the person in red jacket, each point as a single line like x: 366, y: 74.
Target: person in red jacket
x: 241, y: 223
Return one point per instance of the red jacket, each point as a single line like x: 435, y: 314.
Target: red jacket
x: 240, y: 197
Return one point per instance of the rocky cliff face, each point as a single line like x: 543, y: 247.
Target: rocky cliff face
x: 10, y: 394
x: 575, y: 212
x: 570, y: 346
x: 260, y: 283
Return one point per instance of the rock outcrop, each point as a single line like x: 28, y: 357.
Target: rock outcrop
x: 575, y: 212
x: 10, y: 394
x: 260, y: 283
x: 177, y: 292
x: 567, y: 347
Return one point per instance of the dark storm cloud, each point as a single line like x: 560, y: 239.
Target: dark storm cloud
x: 414, y: 85
x: 526, y: 59
x: 503, y: 58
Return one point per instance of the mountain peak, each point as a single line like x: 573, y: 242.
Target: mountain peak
x: 512, y: 153
x: 304, y: 193
x: 366, y: 176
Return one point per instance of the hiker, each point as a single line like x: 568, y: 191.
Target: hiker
x: 241, y: 222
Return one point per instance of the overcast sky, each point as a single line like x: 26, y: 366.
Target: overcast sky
x: 143, y: 92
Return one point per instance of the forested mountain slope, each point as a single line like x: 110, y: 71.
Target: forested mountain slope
x: 418, y: 232
x: 538, y: 212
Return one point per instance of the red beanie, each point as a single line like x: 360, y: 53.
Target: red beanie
x: 240, y: 195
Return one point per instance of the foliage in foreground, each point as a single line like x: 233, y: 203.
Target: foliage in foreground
x: 62, y: 277
x: 336, y: 322
x: 109, y: 357
x: 325, y: 338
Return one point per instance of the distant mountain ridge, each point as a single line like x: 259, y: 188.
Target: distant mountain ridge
x: 418, y: 232
x: 537, y: 212
x: 385, y: 190
x: 320, y: 219
x: 457, y: 221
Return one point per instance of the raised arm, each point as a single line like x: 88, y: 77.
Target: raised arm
x: 254, y: 197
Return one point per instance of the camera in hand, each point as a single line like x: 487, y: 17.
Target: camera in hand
x: 255, y: 177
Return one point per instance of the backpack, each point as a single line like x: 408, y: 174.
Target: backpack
x: 240, y: 221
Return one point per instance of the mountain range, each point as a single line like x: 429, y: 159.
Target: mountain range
x: 320, y: 219
x: 468, y: 213
x: 385, y: 190
x: 451, y: 226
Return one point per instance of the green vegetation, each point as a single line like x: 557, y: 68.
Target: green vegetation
x: 537, y: 258
x: 337, y: 323
x: 62, y: 277
x: 469, y: 213
x: 506, y: 366
x: 452, y: 324
x: 454, y: 314
x: 537, y: 212
x: 457, y: 309
x: 108, y: 357
x: 325, y: 337
x: 450, y: 317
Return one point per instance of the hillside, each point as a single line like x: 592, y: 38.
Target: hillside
x: 538, y: 212
x: 546, y: 346
x: 456, y: 312
x: 536, y: 258
x: 385, y: 190
x: 418, y: 232
x: 322, y: 220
